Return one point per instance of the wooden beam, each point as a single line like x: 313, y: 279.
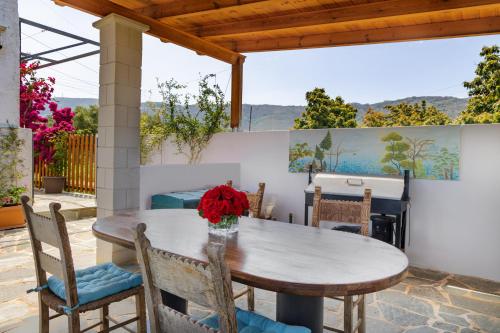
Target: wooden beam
x: 189, y: 7
x: 156, y: 28
x: 236, y: 94
x: 451, y: 29
x: 366, y: 11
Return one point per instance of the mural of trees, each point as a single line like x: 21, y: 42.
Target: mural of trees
x: 428, y: 152
x: 417, y: 153
x: 395, y: 158
x: 445, y: 164
x: 299, y: 151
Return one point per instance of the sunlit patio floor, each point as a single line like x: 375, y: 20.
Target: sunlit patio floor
x: 427, y: 301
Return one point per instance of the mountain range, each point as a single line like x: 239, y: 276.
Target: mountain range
x: 267, y: 117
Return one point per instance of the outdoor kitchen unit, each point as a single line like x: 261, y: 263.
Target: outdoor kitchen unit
x: 389, y: 195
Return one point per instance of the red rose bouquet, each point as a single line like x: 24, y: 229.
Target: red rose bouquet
x: 222, y: 206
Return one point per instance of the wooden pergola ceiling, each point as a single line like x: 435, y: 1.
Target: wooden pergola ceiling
x: 223, y: 29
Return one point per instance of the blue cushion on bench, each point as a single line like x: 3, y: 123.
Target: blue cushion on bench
x: 251, y: 322
x: 97, y: 282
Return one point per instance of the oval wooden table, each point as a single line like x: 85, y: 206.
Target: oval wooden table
x: 302, y: 264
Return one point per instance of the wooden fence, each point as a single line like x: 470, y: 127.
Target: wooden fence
x: 80, y: 166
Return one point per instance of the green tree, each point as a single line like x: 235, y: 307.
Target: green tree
x: 396, y: 157
x: 191, y: 128
x: 85, y: 119
x: 374, y: 118
x: 483, y: 106
x: 445, y: 164
x: 300, y: 150
x: 417, y: 153
x: 320, y: 156
x: 405, y: 114
x: 325, y: 112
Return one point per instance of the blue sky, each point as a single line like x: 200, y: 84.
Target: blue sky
x: 366, y: 74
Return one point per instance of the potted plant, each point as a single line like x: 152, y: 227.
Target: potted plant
x: 56, y: 163
x: 11, y: 164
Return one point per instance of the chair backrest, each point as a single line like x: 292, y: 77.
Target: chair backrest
x: 208, y: 285
x: 356, y: 212
x: 254, y: 199
x: 51, y: 231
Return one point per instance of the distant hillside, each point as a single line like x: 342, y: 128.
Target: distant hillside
x: 267, y: 117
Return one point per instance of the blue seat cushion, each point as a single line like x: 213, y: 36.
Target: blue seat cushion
x: 96, y: 282
x: 251, y: 322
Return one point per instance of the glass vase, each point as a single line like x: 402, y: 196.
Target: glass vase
x: 227, y: 226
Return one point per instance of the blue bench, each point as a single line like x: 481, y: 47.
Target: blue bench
x: 184, y: 199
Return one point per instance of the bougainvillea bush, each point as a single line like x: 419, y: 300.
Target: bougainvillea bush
x: 36, y: 96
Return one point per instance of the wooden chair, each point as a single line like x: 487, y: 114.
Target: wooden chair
x: 52, y: 231
x: 206, y: 285
x: 255, y: 201
x: 353, y: 212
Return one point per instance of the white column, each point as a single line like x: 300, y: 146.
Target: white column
x: 9, y: 63
x: 119, y: 114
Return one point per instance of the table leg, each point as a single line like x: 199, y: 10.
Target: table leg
x: 403, y: 231
x: 398, y: 232
x: 306, y: 214
x: 300, y: 310
x: 174, y: 302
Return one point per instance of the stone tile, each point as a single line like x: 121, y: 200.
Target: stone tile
x: 428, y: 274
x: 445, y: 326
x: 406, y: 302
x: 480, y: 306
x: 486, y: 324
x: 402, y: 317
x: 455, y: 320
x: 415, y: 281
x: 483, y: 285
x: 427, y: 292
x: 451, y: 310
x: 421, y: 329
x: 468, y: 330
x: 373, y: 311
x: 381, y: 326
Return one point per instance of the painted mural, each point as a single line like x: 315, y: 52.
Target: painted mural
x: 430, y: 152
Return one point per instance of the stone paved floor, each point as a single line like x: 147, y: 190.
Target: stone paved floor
x: 426, y: 302
x: 67, y: 200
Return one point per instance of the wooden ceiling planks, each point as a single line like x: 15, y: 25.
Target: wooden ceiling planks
x: 264, y: 25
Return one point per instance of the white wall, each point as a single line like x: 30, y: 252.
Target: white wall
x: 161, y: 178
x: 9, y: 63
x: 455, y: 225
x: 9, y: 83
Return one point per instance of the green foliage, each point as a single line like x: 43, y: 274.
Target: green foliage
x: 374, y: 118
x: 11, y: 166
x: 85, y: 119
x: 396, y: 157
x: 60, y: 147
x: 300, y: 150
x: 445, y: 163
x: 320, y: 156
x: 484, y: 90
x: 191, y: 129
x: 404, y: 114
x: 326, y: 143
x: 325, y: 112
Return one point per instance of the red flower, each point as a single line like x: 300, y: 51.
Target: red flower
x: 222, y: 201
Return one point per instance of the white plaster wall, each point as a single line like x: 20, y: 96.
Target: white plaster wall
x: 9, y: 63
x: 168, y: 178
x: 455, y: 225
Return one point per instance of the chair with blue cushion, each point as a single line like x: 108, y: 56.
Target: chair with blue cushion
x: 69, y: 292
x: 206, y: 284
